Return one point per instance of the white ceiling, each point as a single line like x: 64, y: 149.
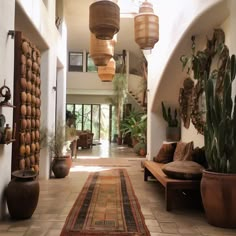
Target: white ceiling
x: 77, y: 20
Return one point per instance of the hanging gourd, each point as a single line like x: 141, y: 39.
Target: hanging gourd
x: 104, y: 19
x: 146, y: 27
x: 101, y: 51
x: 107, y: 73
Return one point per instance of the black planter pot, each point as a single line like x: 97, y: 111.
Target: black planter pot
x: 22, y: 194
x: 60, y: 167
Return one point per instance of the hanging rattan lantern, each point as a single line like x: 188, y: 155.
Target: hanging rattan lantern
x: 104, y: 19
x: 101, y: 51
x: 107, y: 73
x: 146, y: 26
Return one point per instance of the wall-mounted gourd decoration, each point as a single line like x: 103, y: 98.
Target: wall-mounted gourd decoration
x: 25, y: 153
x: 212, y: 60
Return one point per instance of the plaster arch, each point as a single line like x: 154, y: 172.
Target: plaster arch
x: 166, y: 72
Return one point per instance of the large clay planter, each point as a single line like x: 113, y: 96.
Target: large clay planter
x: 22, y: 194
x: 60, y: 167
x: 218, y: 195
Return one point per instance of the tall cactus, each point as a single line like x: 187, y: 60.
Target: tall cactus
x: 220, y: 129
x: 172, y: 122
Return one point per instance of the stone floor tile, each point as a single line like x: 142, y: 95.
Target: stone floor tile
x: 36, y: 232
x: 164, y: 234
x: 12, y: 233
x: 149, y: 217
x: 146, y: 211
x: 169, y: 228
x: 154, y: 229
x: 17, y: 229
x: 4, y: 227
x: 49, y: 217
x: 151, y: 222
x: 53, y: 232
x: 58, y: 225
x: 188, y: 230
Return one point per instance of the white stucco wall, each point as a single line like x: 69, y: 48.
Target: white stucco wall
x: 7, y: 12
x: 87, y: 83
x: 41, y: 15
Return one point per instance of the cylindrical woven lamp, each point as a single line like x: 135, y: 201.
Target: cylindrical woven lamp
x: 101, y: 51
x: 107, y: 73
x: 146, y: 26
x: 104, y: 19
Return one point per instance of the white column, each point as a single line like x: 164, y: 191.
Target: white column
x: 48, y: 105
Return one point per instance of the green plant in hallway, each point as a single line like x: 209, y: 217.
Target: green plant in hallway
x: 120, y: 92
x: 220, y: 129
x: 218, y: 182
x: 135, y: 124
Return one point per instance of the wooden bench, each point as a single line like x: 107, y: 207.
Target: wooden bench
x: 154, y: 169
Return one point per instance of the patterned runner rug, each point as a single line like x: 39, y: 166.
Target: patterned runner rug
x: 106, y: 205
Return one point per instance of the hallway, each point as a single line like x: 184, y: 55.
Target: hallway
x: 58, y: 195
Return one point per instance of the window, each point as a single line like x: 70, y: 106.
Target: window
x: 75, y: 61
x: 91, y: 67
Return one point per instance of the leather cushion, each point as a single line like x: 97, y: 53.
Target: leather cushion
x: 183, y: 151
x: 183, y: 170
x: 165, y: 153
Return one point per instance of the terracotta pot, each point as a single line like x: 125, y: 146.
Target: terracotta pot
x: 22, y: 194
x: 142, y: 152
x: 218, y: 195
x: 134, y: 141
x: 173, y: 133
x: 60, y: 167
x: 68, y: 160
x: 119, y: 140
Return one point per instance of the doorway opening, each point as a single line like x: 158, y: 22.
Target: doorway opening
x: 95, y: 118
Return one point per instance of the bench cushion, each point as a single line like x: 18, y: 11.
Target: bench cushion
x: 165, y: 153
x: 183, y: 170
x: 183, y: 151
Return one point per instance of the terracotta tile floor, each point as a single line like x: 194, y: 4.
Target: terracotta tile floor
x: 58, y: 195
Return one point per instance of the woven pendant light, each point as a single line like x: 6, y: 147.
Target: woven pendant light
x: 107, y: 73
x: 104, y: 19
x: 101, y: 51
x: 146, y: 26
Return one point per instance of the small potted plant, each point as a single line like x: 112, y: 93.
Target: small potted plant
x: 57, y: 147
x: 173, y: 129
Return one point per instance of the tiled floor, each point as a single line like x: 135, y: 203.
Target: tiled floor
x: 58, y: 195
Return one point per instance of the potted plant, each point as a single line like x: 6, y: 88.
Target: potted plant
x: 218, y: 182
x: 57, y: 146
x: 172, y: 130
x: 129, y: 125
x: 136, y: 125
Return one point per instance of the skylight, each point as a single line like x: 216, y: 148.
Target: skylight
x: 131, y: 6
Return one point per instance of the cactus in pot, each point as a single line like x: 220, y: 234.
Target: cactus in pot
x: 172, y: 131
x: 172, y: 121
x: 220, y: 129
